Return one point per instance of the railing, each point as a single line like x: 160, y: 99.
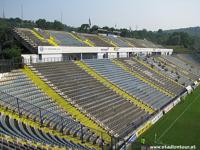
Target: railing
x: 56, y: 59
x: 40, y: 115
x: 49, y: 59
x: 34, y: 111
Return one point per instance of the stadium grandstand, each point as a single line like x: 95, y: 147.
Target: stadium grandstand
x: 88, y: 91
x: 71, y: 45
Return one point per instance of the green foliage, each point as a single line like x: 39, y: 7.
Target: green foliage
x: 179, y: 49
x: 4, y: 24
x: 8, y: 48
x: 58, y: 25
x: 192, y: 31
x: 41, y: 23
x: 94, y: 29
x: 180, y: 38
x: 126, y: 33
x: 13, y: 52
x: 84, y: 28
x: 17, y: 22
x: 174, y: 39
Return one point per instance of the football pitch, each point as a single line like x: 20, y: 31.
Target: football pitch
x: 180, y: 126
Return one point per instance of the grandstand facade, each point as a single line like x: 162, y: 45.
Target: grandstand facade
x: 47, y: 44
x: 84, y: 91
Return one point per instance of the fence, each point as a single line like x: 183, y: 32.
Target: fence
x: 35, y: 113
x: 53, y: 59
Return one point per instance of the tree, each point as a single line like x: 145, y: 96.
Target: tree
x: 186, y: 40
x: 160, y: 31
x: 13, y: 52
x: 58, y: 25
x: 5, y: 35
x: 112, y: 29
x: 125, y: 33
x: 174, y: 39
x: 105, y: 28
x: 181, y: 39
x: 84, y: 28
x: 41, y: 23
x: 94, y: 29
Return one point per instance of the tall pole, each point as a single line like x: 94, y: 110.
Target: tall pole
x: 3, y: 14
x: 136, y: 27
x: 22, y: 13
x: 61, y: 16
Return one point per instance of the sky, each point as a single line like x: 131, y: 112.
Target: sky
x: 137, y: 14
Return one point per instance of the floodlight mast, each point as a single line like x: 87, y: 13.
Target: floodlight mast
x: 61, y: 16
x: 3, y: 15
x: 22, y: 13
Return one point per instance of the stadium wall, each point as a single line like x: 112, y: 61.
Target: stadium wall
x: 56, y: 53
x: 65, y: 49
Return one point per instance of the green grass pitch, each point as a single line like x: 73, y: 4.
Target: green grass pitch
x: 180, y: 126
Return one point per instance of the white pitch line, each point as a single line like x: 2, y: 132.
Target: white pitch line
x: 172, y: 124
